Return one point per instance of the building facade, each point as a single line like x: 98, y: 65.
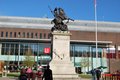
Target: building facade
x: 19, y: 34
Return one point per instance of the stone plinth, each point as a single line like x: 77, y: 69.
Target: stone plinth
x: 61, y: 65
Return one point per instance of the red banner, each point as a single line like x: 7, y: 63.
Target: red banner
x: 47, y: 50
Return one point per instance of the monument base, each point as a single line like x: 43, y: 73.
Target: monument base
x: 61, y: 66
x: 65, y: 77
x: 63, y: 70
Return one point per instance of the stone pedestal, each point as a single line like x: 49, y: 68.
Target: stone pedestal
x: 62, y: 67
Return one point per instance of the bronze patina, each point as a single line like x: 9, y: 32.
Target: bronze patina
x: 59, y: 20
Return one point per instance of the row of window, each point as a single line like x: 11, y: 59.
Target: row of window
x: 22, y: 48
x: 78, y: 50
x: 38, y: 48
x: 25, y: 35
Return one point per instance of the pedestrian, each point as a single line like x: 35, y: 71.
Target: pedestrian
x: 39, y: 74
x: 98, y: 74
x: 23, y: 75
x: 93, y: 72
x: 29, y: 72
x: 48, y: 74
x: 34, y: 74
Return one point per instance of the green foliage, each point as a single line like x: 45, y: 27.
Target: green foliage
x: 11, y: 74
x: 85, y: 75
x: 29, y: 60
x: 85, y: 62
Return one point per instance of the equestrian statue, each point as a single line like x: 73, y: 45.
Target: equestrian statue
x: 60, y: 20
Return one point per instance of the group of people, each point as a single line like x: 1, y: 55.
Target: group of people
x: 29, y: 74
x: 96, y: 74
x: 11, y: 68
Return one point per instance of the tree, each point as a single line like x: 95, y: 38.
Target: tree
x: 84, y: 63
x: 29, y: 60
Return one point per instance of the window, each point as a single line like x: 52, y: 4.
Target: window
x: 28, y: 35
x: 10, y: 34
x: 13, y: 48
x: 36, y: 36
x: 44, y: 35
x: 31, y: 35
x: 2, y: 34
x: 40, y: 35
x: 49, y: 35
x: 18, y: 34
x: 14, y: 34
x: 23, y: 35
x: 6, y: 34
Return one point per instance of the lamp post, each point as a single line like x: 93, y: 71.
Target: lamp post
x: 95, y: 6
x: 109, y: 57
x: 18, y: 53
x: 37, y: 54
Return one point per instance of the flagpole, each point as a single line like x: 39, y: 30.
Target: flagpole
x: 95, y: 6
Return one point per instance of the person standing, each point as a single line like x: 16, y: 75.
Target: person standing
x: 98, y: 74
x: 48, y: 74
x: 23, y: 75
x: 93, y: 72
x: 39, y: 74
x: 29, y: 71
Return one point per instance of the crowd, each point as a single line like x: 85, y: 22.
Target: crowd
x: 32, y: 74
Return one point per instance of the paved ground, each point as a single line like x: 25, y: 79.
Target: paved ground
x: 6, y: 78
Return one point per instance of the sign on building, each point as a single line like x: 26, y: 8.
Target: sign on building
x: 46, y: 50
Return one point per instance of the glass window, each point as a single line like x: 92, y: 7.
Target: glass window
x: 14, y: 34
x: 44, y: 35
x: 36, y: 36
x: 6, y: 34
x: 18, y: 34
x: 28, y: 35
x: 13, y: 48
x: 31, y: 35
x: 16, y: 51
x: 3, y: 51
x: 2, y: 34
x: 12, y: 51
x: 23, y: 35
x: 49, y: 35
x: 79, y: 50
x: 10, y: 34
x: 40, y: 35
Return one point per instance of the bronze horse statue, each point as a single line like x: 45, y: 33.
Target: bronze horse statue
x: 60, y: 16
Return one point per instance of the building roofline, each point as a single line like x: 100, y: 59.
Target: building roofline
x: 45, y: 23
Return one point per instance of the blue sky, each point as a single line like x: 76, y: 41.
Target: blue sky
x: 107, y: 10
